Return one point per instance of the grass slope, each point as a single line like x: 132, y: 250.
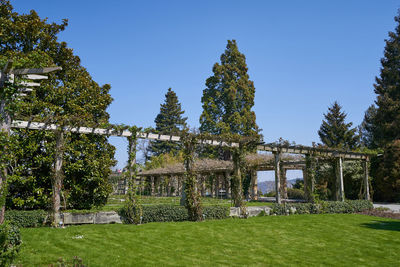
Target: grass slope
x: 301, y: 240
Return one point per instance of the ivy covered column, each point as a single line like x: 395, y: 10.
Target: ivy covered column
x: 283, y: 182
x: 254, y: 185
x: 133, y: 206
x: 277, y: 166
x: 192, y: 201
x: 366, y: 179
x: 237, y: 179
x: 58, y: 177
x: 339, y: 179
x: 309, y: 178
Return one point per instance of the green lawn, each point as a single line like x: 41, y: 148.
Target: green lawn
x: 305, y: 240
x: 115, y: 202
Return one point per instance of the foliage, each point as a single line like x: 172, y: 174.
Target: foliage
x: 228, y: 98
x: 367, y: 130
x: 335, y: 132
x: 294, y: 193
x: 26, y: 218
x: 68, y: 97
x: 74, y: 262
x: 170, y: 121
x: 169, y: 213
x: 387, y: 88
x: 164, y: 160
x: 299, y: 184
x: 133, y: 208
x: 348, y: 206
x: 387, y: 174
x: 192, y: 196
x: 10, y: 242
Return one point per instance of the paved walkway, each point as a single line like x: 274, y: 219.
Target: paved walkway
x: 393, y: 207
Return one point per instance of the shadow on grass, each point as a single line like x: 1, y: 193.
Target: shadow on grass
x: 383, y: 225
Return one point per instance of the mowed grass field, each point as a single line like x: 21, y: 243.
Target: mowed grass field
x: 115, y: 202
x: 297, y: 240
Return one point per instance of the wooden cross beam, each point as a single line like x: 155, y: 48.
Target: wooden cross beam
x: 323, y: 152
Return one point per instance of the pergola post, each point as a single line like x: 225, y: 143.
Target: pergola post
x: 152, y: 185
x: 283, y: 181
x: 254, y: 185
x: 339, y: 179
x: 58, y: 175
x: 227, y: 183
x: 277, y: 162
x: 366, y: 179
x: 309, y: 177
x: 216, y: 185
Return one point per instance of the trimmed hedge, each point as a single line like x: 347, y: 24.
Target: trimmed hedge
x: 348, y: 206
x: 26, y: 218
x: 169, y: 213
x: 294, y: 193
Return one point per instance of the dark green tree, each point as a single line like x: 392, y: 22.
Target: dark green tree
x: 229, y: 96
x: 387, y: 174
x: 169, y: 120
x: 335, y: 132
x: 387, y: 88
x: 68, y: 97
x: 367, y: 130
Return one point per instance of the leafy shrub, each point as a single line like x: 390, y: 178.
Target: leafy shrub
x: 26, y: 218
x: 271, y: 194
x: 10, y: 242
x: 75, y: 262
x: 348, y: 206
x: 294, y: 193
x: 169, y: 213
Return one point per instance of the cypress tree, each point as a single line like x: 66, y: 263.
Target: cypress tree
x: 335, y: 132
x: 169, y: 120
x: 229, y: 96
x: 387, y: 88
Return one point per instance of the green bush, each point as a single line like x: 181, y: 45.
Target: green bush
x: 294, y: 193
x: 169, y: 213
x: 10, y: 242
x: 348, y: 206
x: 26, y: 218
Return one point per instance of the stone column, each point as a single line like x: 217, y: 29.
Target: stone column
x: 339, y: 180
x: 366, y: 180
x: 152, y: 185
x: 309, y: 178
x: 277, y: 162
x: 254, y: 185
x: 216, y: 184
x: 283, y: 183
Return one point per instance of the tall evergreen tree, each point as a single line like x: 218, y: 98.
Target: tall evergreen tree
x: 335, y: 132
x: 169, y: 120
x: 387, y: 87
x: 367, y: 130
x: 229, y: 96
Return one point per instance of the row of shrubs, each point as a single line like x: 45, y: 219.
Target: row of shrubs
x: 348, y: 206
x: 293, y: 193
x: 169, y: 213
x: 26, y: 218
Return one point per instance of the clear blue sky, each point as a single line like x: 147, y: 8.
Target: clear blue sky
x: 301, y: 55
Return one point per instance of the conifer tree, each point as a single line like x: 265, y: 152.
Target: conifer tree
x: 169, y: 120
x: 387, y: 87
x: 229, y: 96
x: 335, y: 132
x: 367, y: 130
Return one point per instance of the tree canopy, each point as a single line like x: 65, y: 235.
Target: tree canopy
x: 335, y: 132
x: 169, y: 120
x: 68, y: 97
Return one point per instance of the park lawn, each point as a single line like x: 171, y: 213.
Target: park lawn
x: 301, y: 240
x: 116, y: 202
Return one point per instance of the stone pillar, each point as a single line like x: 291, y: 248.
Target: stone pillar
x: 339, y: 180
x: 283, y: 183
x: 58, y: 177
x: 366, y: 180
x: 254, y: 185
x: 277, y: 177
x: 152, y: 185
x: 227, y: 184
x: 216, y: 185
x: 309, y: 178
